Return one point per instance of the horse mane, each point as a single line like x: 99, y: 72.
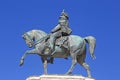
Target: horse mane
x: 42, y: 33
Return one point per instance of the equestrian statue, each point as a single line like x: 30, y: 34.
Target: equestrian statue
x: 59, y: 44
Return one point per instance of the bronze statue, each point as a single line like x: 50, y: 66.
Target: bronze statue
x: 43, y: 46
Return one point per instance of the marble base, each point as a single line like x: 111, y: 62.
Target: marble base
x: 58, y: 77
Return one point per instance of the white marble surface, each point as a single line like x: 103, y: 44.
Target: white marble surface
x: 59, y: 77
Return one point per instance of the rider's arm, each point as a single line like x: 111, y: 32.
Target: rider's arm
x: 57, y: 28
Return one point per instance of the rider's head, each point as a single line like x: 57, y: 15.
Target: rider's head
x: 63, y: 18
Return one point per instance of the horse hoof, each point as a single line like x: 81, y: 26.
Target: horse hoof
x: 89, y: 77
x: 68, y: 73
x: 21, y: 63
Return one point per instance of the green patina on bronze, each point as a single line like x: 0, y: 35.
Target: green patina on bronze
x: 59, y: 44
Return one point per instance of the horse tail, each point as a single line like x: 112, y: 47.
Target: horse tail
x: 92, y: 44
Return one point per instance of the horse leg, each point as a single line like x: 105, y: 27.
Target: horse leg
x: 86, y: 66
x: 74, y: 61
x: 26, y: 53
x: 81, y: 61
x: 45, y: 67
x: 44, y: 60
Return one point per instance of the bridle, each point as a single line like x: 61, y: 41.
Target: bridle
x: 32, y: 39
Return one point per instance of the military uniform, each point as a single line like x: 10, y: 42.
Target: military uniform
x: 59, y: 31
x: 62, y: 29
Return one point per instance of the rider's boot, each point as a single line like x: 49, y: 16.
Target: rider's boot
x: 53, y: 46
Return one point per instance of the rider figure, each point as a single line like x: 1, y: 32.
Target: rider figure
x: 62, y: 29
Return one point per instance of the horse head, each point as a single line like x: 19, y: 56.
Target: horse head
x: 29, y: 39
x: 33, y: 36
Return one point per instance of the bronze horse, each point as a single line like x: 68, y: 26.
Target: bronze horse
x: 77, y: 49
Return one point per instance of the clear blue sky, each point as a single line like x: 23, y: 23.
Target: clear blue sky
x: 99, y: 18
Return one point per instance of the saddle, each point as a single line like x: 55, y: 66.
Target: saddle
x: 62, y: 42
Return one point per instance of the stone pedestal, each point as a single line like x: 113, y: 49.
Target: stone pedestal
x: 59, y: 77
